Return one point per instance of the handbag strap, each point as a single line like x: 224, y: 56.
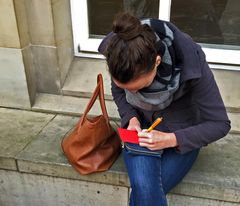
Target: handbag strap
x: 98, y: 92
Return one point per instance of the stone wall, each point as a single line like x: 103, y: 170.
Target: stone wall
x: 36, y: 49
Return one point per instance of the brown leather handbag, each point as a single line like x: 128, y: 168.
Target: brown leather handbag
x: 93, y: 145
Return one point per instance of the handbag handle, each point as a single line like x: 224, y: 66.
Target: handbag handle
x: 99, y: 91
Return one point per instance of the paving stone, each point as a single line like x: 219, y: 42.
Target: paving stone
x: 44, y: 156
x: 17, y: 129
x: 177, y: 200
x: 216, y: 172
x: 215, y: 175
x: 76, y: 105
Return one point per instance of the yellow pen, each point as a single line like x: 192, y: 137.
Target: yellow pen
x: 154, y: 124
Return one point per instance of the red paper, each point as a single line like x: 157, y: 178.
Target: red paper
x: 128, y: 135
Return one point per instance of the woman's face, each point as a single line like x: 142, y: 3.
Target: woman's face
x: 141, y: 82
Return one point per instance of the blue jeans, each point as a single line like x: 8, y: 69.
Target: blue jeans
x: 152, y: 177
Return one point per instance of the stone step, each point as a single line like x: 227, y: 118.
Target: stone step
x: 81, y: 80
x: 76, y: 105
x: 71, y: 105
x: 34, y: 171
x: 38, y: 190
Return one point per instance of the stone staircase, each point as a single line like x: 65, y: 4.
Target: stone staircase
x: 81, y: 81
x: 33, y: 170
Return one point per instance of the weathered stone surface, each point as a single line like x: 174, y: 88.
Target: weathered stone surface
x: 46, y: 146
x: 46, y: 68
x: 28, y: 189
x: 44, y: 156
x: 30, y: 73
x: 8, y: 25
x: 216, y: 172
x: 82, y: 77
x: 78, y: 85
x: 235, y: 121
x: 71, y: 105
x: 40, y: 22
x: 228, y: 83
x: 63, y: 35
x: 13, y: 85
x: 75, y: 106
x: 177, y: 200
x: 17, y: 129
x: 22, y: 22
x: 215, y: 175
x: 7, y: 163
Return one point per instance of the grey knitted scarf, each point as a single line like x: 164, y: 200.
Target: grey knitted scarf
x: 160, y: 93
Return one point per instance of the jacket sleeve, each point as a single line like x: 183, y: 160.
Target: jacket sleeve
x: 214, y: 123
x: 126, y: 111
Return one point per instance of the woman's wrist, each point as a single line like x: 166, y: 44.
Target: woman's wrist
x: 173, y: 140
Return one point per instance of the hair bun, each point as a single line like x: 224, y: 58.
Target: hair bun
x: 126, y: 26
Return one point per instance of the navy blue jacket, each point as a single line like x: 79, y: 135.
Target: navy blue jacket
x: 197, y: 114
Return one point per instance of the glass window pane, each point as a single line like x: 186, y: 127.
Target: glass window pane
x: 102, y: 12
x: 208, y: 21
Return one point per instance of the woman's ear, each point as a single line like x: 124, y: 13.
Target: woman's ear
x: 158, y: 60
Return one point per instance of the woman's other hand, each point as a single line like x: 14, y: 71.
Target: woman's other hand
x: 156, y: 140
x: 134, y: 125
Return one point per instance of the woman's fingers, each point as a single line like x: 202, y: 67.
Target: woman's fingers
x: 138, y: 128
x: 149, y: 146
x: 134, y: 128
x: 145, y: 134
x: 146, y: 140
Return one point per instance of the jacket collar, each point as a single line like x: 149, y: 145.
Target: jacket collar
x: 187, y: 52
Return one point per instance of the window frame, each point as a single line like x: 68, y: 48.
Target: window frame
x: 84, y: 46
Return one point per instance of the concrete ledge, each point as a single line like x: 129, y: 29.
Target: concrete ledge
x: 75, y: 106
x: 17, y: 129
x: 71, y: 105
x: 37, y: 190
x: 44, y: 156
x: 215, y: 176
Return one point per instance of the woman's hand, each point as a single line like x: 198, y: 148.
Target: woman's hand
x: 134, y: 124
x: 156, y: 140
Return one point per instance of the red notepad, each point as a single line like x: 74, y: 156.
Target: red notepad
x: 128, y: 135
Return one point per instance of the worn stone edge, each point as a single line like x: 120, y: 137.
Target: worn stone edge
x: 8, y: 163
x: 112, y: 177
x: 118, y: 178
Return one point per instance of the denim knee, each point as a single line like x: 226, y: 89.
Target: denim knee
x: 141, y: 185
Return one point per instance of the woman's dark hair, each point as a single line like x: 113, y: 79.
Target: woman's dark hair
x: 131, y: 51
